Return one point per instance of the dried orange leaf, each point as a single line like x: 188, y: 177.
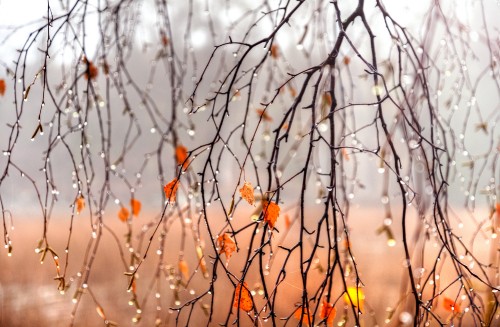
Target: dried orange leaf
x: 105, y: 67
x: 347, y: 60
x: 231, y: 207
x: 80, y: 204
x: 326, y: 101
x: 201, y: 261
x: 100, y: 312
x: 92, y: 71
x: 243, y: 298
x: 355, y: 295
x: 123, y: 214
x: 264, y: 115
x: 133, y: 287
x: 226, y: 245
x: 498, y: 209
x: 271, y: 212
x: 136, y: 206
x: 329, y: 312
x: 181, y: 155
x: 483, y: 126
x: 171, y: 190
x: 236, y: 95
x: 275, y: 51
x: 26, y: 93
x: 184, y: 268
x: 451, y: 305
x: 302, y: 315
x: 164, y: 40
x: 2, y: 86
x: 58, y: 267
x: 345, y: 154
x: 39, y: 128
x: 246, y: 193
x: 288, y: 222
x: 293, y: 92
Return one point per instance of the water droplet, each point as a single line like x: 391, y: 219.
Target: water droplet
x: 413, y: 144
x: 323, y: 127
x: 418, y: 272
x: 406, y: 318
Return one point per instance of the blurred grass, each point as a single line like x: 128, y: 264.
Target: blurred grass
x: 29, y: 295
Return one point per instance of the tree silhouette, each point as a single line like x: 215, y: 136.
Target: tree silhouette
x: 237, y: 157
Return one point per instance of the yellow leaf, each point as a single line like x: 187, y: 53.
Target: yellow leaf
x: 355, y: 295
